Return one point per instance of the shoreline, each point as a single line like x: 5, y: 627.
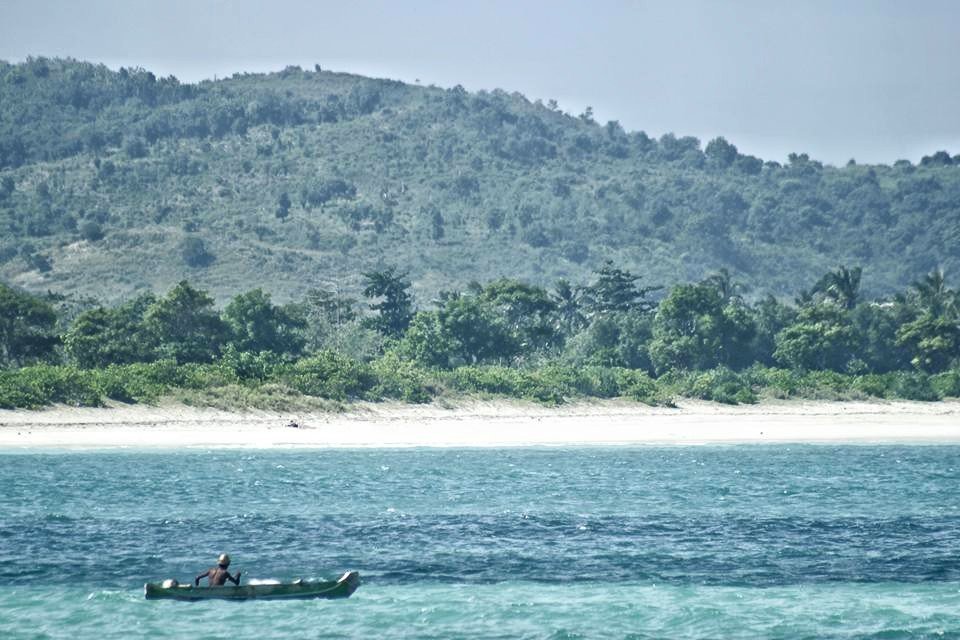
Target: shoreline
x: 493, y: 423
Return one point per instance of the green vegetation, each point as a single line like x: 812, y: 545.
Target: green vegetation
x: 115, y: 184
x: 604, y: 339
x: 213, y: 243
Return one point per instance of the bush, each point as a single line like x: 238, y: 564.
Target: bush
x: 597, y: 382
x: 38, y: 386
x: 194, y: 252
x: 551, y: 385
x: 639, y: 386
x: 486, y: 379
x: 780, y: 383
x: 877, y: 385
x: 718, y: 385
x: 914, y: 386
x: 146, y: 382
x: 330, y: 375
x: 401, y: 380
x: 91, y: 231
x: 828, y: 384
x: 946, y: 384
x: 113, y: 384
x: 244, y: 365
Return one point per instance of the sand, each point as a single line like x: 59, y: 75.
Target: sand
x: 482, y: 424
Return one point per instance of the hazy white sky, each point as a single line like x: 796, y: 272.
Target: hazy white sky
x: 872, y: 80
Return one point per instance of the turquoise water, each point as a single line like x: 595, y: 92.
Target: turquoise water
x: 652, y: 542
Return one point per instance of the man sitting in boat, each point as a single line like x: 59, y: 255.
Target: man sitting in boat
x: 217, y: 576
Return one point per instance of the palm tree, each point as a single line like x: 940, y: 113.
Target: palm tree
x: 934, y: 295
x: 567, y: 298
x: 724, y: 284
x: 842, y: 286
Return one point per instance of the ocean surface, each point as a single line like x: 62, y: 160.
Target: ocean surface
x: 640, y: 542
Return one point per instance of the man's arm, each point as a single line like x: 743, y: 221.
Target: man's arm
x: 196, y: 581
x: 236, y: 580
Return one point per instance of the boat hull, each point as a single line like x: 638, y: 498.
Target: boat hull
x: 341, y: 588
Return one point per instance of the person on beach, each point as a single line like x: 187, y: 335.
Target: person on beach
x: 217, y: 576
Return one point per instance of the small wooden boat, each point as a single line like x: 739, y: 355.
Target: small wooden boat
x: 298, y: 589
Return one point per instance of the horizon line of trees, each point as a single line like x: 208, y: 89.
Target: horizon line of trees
x: 87, y: 108
x: 613, y: 321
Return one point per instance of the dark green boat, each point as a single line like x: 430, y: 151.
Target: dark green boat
x: 298, y: 589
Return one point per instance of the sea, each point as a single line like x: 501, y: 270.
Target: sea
x: 758, y: 541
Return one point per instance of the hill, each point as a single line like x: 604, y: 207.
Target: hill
x: 119, y: 182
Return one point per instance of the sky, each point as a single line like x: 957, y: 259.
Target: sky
x: 875, y: 81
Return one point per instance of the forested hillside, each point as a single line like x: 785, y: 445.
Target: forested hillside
x: 119, y: 183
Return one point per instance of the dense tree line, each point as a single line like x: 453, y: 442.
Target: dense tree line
x: 278, y: 177
x: 614, y: 323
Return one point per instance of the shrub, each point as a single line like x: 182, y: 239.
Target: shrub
x: 37, y: 386
x: 194, y: 252
x: 486, y: 379
x: 829, y: 384
x: 550, y: 384
x: 718, y: 385
x: 639, y: 386
x: 244, y: 365
x: 780, y: 383
x: 91, y: 230
x: 946, y: 384
x: 598, y: 382
x: 135, y: 148
x: 877, y: 385
x: 914, y: 385
x: 330, y: 375
x: 401, y: 380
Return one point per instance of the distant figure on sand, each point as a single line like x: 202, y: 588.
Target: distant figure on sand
x: 218, y: 575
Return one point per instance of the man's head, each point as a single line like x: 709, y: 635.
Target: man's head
x: 223, y: 560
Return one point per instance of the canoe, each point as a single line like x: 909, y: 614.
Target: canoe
x: 298, y: 589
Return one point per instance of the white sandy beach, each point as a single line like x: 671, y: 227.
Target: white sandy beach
x: 482, y: 424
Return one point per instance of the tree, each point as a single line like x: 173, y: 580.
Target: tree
x: 566, y: 299
x: 770, y: 317
x: 720, y: 153
x: 934, y: 296
x: 426, y: 342
x: 395, y: 306
x: 258, y: 325
x: 614, y: 340
x: 436, y: 225
x: 327, y: 312
x: 616, y: 290
x: 283, y: 206
x: 27, y: 328
x: 695, y: 329
x: 464, y: 330
x: 933, y: 341
x: 724, y: 284
x: 475, y: 331
x: 194, y: 252
x: 876, y: 324
x: 101, y: 337
x: 91, y: 231
x: 186, y: 326
x: 841, y: 286
x: 821, y: 338
x: 7, y: 186
x: 932, y: 336
x: 528, y: 311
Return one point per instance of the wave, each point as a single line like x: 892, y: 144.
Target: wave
x: 446, y: 548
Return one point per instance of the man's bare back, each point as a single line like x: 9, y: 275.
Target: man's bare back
x: 217, y: 576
